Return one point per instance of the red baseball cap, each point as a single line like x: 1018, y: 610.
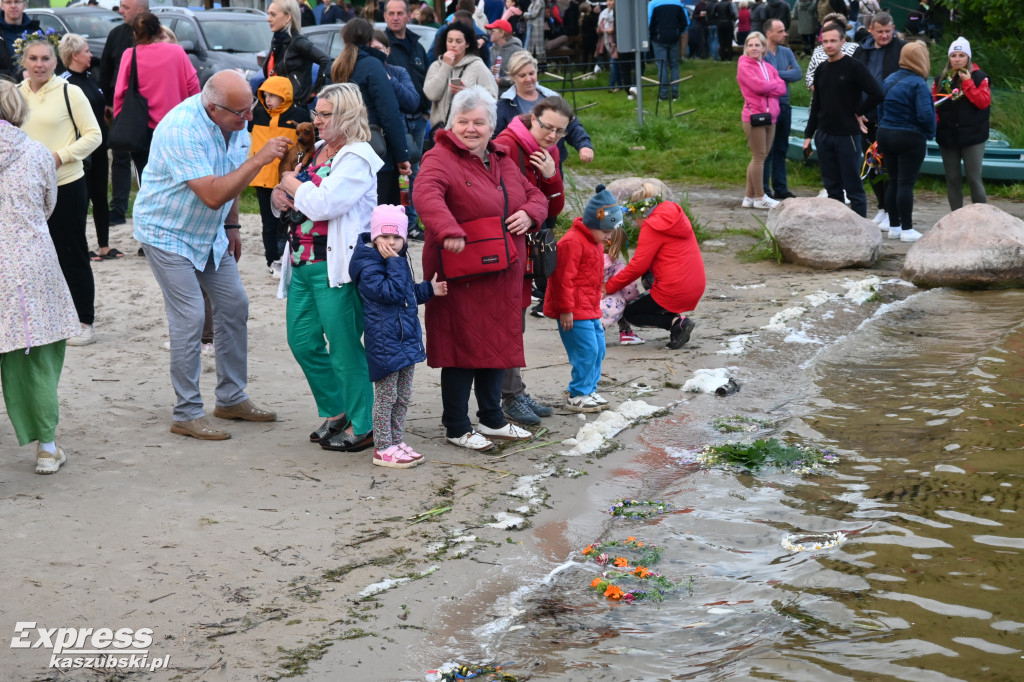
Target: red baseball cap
x: 502, y: 24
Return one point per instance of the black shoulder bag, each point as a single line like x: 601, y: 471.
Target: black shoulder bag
x: 129, y: 130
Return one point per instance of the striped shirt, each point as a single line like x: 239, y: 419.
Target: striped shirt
x: 187, y: 145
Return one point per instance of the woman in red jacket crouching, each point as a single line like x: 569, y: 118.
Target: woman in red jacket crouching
x: 668, y: 248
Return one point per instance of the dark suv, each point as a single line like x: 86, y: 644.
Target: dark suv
x: 219, y: 39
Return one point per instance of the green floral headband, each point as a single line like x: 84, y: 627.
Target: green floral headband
x: 642, y: 207
x: 21, y: 44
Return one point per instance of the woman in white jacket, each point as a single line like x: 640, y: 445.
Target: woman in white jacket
x: 328, y: 211
x: 458, y: 68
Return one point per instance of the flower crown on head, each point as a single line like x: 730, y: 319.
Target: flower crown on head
x: 27, y: 38
x: 641, y: 207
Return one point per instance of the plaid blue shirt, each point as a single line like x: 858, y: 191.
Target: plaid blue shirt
x: 187, y: 145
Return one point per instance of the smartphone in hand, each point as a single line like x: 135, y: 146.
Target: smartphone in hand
x: 456, y: 81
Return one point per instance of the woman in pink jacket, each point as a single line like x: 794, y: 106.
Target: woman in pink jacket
x: 166, y: 76
x: 761, y: 87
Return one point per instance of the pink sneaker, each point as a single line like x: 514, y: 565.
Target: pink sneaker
x: 409, y: 451
x: 395, y: 458
x: 629, y: 339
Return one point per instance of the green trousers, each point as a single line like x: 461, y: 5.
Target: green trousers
x: 320, y: 316
x: 29, y: 382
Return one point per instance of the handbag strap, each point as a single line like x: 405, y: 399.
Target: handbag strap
x: 133, y: 79
x: 67, y: 103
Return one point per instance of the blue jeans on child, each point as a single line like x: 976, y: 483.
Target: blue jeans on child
x: 584, y: 344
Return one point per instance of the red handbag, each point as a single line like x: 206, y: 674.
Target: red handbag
x: 489, y: 248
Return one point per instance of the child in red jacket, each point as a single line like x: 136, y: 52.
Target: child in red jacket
x: 668, y: 248
x: 574, y: 297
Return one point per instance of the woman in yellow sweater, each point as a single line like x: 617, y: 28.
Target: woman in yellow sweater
x: 62, y: 120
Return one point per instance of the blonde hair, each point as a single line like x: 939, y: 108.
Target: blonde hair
x: 618, y: 244
x: 291, y: 8
x: 31, y: 42
x: 349, y: 113
x: 518, y: 60
x: 70, y: 45
x: 646, y: 191
x: 13, y: 107
x: 760, y: 38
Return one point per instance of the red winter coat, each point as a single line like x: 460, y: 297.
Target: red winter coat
x: 667, y: 246
x: 479, y: 324
x: 576, y: 285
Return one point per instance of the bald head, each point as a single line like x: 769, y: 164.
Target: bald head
x: 227, y: 98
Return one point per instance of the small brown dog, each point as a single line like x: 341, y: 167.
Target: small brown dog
x: 302, y: 151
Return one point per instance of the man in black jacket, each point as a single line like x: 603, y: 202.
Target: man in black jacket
x: 881, y: 54
x: 667, y: 22
x: 407, y: 52
x: 13, y: 22
x: 843, y: 92
x: 121, y: 38
x: 724, y: 16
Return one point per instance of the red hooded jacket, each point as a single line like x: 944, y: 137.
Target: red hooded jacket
x: 575, y: 287
x: 668, y: 247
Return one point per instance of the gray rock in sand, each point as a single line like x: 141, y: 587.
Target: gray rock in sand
x: 824, y: 234
x: 976, y: 247
x: 623, y: 187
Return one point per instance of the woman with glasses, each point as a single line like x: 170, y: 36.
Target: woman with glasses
x: 60, y: 117
x: 329, y: 209
x: 166, y: 76
x: 525, y: 93
x: 531, y: 141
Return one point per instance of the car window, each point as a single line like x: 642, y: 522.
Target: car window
x: 186, y: 30
x: 48, y: 21
x: 91, y: 26
x: 321, y: 39
x: 236, y: 36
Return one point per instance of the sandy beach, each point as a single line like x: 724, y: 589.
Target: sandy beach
x: 252, y: 557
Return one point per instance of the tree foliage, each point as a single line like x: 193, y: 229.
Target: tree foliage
x: 994, y: 28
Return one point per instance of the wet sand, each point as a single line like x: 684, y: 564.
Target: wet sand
x: 249, y: 555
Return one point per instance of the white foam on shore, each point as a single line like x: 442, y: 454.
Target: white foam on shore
x: 801, y: 336
x: 593, y: 435
x: 707, y: 380
x: 779, y: 319
x: 736, y: 345
x: 506, y: 521
x: 862, y: 290
x: 750, y: 286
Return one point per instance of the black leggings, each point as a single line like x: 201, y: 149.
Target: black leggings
x: 645, y: 312
x: 902, y: 153
x: 96, y: 175
x: 67, y: 230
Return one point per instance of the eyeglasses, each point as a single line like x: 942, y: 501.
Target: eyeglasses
x: 559, y: 132
x: 320, y: 114
x: 244, y: 112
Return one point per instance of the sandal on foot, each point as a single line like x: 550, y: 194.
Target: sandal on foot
x: 112, y: 254
x: 95, y: 256
x: 395, y: 458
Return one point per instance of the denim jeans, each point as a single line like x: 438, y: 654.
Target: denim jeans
x: 775, y: 162
x: 667, y: 57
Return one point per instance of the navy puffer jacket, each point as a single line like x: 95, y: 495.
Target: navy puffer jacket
x: 391, y: 326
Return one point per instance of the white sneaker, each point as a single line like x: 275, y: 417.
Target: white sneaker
x: 765, y: 202
x: 881, y: 218
x: 823, y: 194
x: 84, y: 339
x: 894, y: 232
x: 507, y: 432
x: 471, y: 440
x: 206, y: 349
x: 582, y: 403
x: 910, y: 235
x: 49, y: 462
x: 596, y: 397
x: 597, y: 68
x: 632, y: 91
x: 275, y: 269
x: 748, y: 202
x: 884, y: 225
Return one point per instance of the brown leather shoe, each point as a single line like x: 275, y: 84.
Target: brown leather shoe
x: 200, y: 428
x: 244, y: 410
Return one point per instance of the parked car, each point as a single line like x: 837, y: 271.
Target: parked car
x: 219, y: 39
x: 328, y: 36
x: 92, y: 23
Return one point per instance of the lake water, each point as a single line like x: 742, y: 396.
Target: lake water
x: 925, y: 403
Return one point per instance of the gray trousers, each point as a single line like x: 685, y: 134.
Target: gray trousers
x: 183, y: 285
x: 972, y: 156
x: 512, y: 385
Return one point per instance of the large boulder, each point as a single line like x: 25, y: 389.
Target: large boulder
x: 824, y: 234
x: 623, y: 187
x: 976, y: 247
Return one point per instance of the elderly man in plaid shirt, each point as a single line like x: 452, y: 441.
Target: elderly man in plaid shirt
x: 186, y: 216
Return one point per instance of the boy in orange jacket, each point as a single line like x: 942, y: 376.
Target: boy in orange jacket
x: 573, y: 296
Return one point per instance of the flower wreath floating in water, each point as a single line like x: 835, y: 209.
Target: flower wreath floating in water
x: 814, y: 542
x: 27, y: 38
x: 797, y: 459
x: 471, y: 672
x: 614, y: 583
x: 639, y: 509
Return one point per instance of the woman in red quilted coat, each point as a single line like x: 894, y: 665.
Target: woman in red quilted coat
x: 668, y: 248
x: 475, y: 333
